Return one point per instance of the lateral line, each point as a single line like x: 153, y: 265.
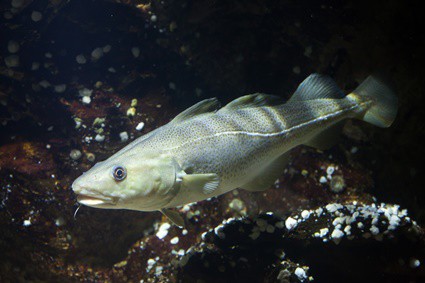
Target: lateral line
x: 285, y: 131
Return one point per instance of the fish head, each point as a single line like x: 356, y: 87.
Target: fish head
x: 139, y: 182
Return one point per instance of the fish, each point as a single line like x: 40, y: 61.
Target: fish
x: 208, y: 150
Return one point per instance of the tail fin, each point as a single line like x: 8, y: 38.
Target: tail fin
x: 384, y: 102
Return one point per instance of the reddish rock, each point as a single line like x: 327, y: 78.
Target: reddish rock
x: 30, y: 158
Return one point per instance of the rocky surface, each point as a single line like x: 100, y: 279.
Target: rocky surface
x: 80, y: 79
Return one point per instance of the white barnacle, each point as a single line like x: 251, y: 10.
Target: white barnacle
x: 219, y: 231
x: 140, y: 126
x: 124, y: 136
x: 174, y: 240
x: 291, y: 223
x: 414, y: 263
x: 300, y: 273
x: 86, y: 100
x: 330, y: 170
x: 332, y: 207
x: 305, y: 214
x: 99, y: 138
x: 374, y: 230
x: 323, y: 232
x: 337, y: 234
x: 163, y: 230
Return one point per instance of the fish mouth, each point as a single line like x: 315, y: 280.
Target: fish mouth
x: 95, y: 200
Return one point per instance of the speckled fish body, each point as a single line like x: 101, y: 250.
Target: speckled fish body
x: 238, y: 144
x: 205, y: 152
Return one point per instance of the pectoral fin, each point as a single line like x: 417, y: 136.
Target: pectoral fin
x: 266, y: 178
x: 208, y: 183
x: 174, y: 217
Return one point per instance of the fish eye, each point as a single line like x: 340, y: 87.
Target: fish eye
x: 119, y: 173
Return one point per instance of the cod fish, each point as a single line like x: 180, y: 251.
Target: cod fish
x: 206, y: 151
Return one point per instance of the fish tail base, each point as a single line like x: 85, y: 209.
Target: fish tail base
x: 383, y: 108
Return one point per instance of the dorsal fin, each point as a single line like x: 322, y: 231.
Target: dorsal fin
x: 204, y: 106
x: 253, y: 100
x: 317, y: 86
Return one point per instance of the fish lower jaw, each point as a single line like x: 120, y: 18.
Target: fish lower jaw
x: 95, y: 201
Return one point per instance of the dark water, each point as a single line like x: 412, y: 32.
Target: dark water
x: 65, y: 63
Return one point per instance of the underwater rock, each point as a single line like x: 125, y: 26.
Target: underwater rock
x: 30, y: 158
x: 248, y: 245
x: 263, y: 249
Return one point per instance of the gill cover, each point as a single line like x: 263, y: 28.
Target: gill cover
x: 154, y: 181
x: 140, y: 182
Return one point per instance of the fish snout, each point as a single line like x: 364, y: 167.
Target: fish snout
x: 85, y: 182
x: 81, y: 187
x: 76, y: 186
x: 89, y: 196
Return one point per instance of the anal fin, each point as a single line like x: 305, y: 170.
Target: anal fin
x: 266, y: 178
x: 327, y: 138
x: 174, y: 217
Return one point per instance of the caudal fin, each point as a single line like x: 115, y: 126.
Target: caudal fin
x: 383, y: 110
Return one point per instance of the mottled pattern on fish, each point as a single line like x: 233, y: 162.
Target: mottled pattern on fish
x: 236, y: 143
x: 204, y: 152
